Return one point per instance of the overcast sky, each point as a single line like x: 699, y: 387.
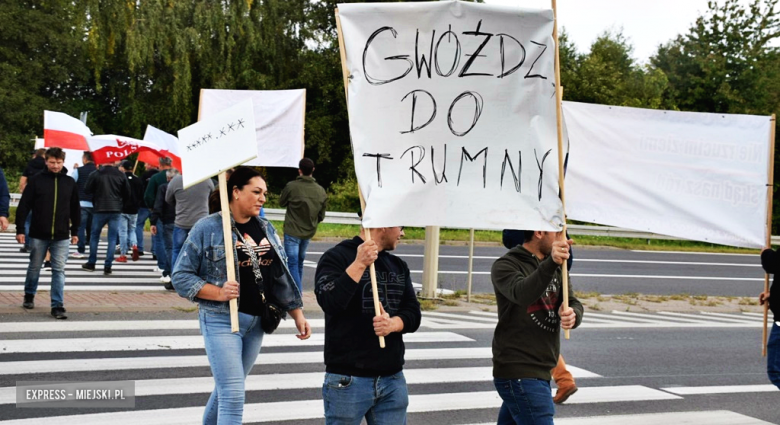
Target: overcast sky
x: 646, y: 24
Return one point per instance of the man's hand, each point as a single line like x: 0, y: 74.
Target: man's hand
x: 74, y: 240
x: 384, y: 325
x: 367, y: 253
x: 153, y: 228
x: 568, y: 317
x: 763, y: 298
x: 20, y: 238
x: 560, y: 250
x: 3, y: 223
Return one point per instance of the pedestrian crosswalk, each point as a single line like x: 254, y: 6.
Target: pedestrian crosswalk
x: 449, y: 375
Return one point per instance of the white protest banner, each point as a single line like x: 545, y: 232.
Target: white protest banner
x: 214, y: 144
x: 691, y: 175
x: 452, y: 114
x: 279, y: 121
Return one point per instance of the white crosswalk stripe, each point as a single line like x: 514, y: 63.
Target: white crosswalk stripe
x: 163, y: 397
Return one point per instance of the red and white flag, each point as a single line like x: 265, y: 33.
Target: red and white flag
x: 167, y: 142
x: 63, y: 131
x: 108, y: 148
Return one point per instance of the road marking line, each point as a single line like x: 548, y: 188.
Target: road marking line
x: 697, y: 316
x: 717, y: 417
x: 170, y: 362
x: 121, y: 325
x: 722, y: 389
x: 154, y: 285
x: 187, y: 342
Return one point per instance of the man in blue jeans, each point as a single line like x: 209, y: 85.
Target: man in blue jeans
x: 361, y: 378
x: 52, y: 200
x: 305, y: 201
x: 110, y: 190
x: 191, y: 205
x: 81, y: 175
x: 526, y: 343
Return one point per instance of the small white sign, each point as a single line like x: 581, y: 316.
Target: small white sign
x: 222, y: 141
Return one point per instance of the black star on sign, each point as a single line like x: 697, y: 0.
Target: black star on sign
x: 230, y: 126
x: 222, y: 132
x: 241, y: 123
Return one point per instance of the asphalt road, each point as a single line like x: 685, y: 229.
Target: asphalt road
x: 603, y: 270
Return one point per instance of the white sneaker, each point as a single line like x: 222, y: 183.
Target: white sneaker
x: 165, y: 279
x: 157, y: 269
x: 76, y: 254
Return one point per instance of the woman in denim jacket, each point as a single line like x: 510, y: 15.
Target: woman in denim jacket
x: 200, y: 275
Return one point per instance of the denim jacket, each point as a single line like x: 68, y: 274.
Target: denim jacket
x: 202, y: 260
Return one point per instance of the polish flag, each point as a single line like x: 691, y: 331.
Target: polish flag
x: 63, y: 131
x: 167, y: 142
x: 108, y: 148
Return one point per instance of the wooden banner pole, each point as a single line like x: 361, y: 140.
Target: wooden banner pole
x: 345, y: 74
x: 769, y: 192
x: 559, y: 116
x: 471, y: 265
x: 227, y: 235
x: 135, y: 166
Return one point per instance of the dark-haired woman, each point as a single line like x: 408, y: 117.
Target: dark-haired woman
x: 200, y: 274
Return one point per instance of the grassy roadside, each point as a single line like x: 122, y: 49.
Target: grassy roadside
x: 344, y: 231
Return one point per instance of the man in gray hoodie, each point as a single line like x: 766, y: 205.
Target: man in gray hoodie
x: 191, y: 204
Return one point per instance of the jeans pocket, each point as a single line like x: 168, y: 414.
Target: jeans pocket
x: 337, y: 381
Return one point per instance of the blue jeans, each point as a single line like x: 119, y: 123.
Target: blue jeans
x: 85, y: 229
x: 127, y: 232
x: 773, y: 355
x: 99, y: 220
x: 179, y: 236
x: 59, y: 254
x: 296, y: 253
x: 27, y: 223
x: 526, y: 402
x: 231, y: 356
x: 348, y: 399
x: 163, y: 245
x: 143, y: 215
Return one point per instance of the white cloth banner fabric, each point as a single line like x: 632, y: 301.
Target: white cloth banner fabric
x: 279, y: 121
x: 691, y: 175
x: 452, y: 114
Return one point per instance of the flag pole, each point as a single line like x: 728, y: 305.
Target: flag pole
x: 769, y: 192
x: 345, y: 74
x: 559, y: 119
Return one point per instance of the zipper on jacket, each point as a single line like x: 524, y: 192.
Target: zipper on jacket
x: 54, y: 213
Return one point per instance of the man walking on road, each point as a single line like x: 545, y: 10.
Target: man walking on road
x: 110, y: 189
x: 52, y: 199
x: 81, y: 175
x: 770, y: 261
x: 362, y: 379
x: 526, y: 342
x: 127, y: 235
x: 36, y: 165
x: 144, y: 211
x: 5, y: 201
x: 305, y: 201
x: 191, y: 205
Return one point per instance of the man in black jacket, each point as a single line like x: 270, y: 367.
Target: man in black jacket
x: 770, y: 260
x: 52, y: 199
x: 127, y: 235
x: 81, y: 175
x: 36, y: 165
x: 110, y: 189
x: 162, y: 219
x: 361, y: 378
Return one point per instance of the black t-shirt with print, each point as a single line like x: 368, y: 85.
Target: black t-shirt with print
x: 250, y: 301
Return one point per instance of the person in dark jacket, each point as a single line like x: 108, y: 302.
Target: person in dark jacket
x: 110, y: 189
x: 770, y: 261
x: 5, y: 201
x: 305, y: 201
x: 526, y: 342
x: 162, y: 219
x: 145, y: 210
x: 355, y: 365
x: 81, y: 175
x: 34, y: 166
x: 52, y: 200
x: 127, y: 236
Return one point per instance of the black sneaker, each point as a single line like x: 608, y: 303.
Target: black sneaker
x: 107, y: 270
x: 58, y: 313
x: 28, y: 301
x: 24, y: 250
x: 88, y: 267
x: 47, y: 265
x: 169, y: 286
